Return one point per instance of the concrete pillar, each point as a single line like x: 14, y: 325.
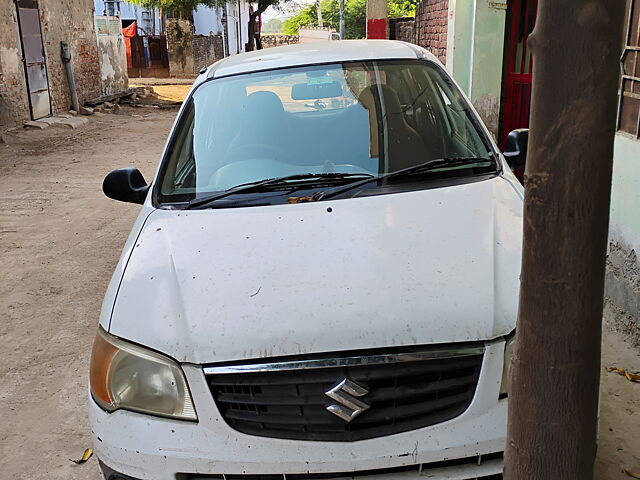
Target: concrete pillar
x: 377, y: 25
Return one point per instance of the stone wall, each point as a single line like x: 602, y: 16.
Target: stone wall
x: 61, y: 20
x: 207, y: 49
x: 275, y: 40
x: 431, y: 27
x: 180, y: 47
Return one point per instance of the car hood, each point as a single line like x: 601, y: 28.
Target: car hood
x: 424, y: 267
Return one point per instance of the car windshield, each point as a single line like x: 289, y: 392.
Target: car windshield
x: 368, y: 118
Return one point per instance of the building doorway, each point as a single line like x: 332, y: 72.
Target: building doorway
x: 518, y: 67
x: 33, y: 57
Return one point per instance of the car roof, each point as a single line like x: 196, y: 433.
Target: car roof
x: 315, y: 53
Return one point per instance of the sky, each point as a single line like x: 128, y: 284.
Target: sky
x: 291, y: 7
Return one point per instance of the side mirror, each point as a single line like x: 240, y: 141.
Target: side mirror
x: 516, y: 148
x: 126, y: 185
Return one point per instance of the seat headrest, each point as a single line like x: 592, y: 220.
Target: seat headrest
x: 370, y: 94
x: 264, y: 104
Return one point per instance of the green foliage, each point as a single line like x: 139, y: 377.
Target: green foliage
x: 181, y: 7
x: 355, y: 16
x: 184, y: 7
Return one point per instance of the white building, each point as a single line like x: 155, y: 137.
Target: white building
x: 206, y: 21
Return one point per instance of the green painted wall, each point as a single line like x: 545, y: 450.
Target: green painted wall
x: 625, y: 192
x: 486, y: 73
x: 476, y: 54
x: 462, y: 42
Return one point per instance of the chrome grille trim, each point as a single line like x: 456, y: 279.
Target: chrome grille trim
x: 353, y: 361
x: 404, y: 390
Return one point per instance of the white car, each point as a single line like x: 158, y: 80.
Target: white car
x: 322, y: 282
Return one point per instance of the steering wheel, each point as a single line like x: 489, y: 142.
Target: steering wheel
x: 258, y: 150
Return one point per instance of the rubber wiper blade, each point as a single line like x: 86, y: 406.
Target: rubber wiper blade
x: 438, y: 163
x: 413, y: 170
x: 257, y: 185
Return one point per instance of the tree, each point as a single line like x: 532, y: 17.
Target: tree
x: 273, y: 25
x: 355, y: 16
x: 180, y: 8
x: 184, y: 9
x: 553, y: 398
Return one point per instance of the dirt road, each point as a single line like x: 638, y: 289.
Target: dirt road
x: 60, y: 239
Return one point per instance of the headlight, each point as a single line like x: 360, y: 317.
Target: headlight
x: 506, y: 366
x: 123, y: 375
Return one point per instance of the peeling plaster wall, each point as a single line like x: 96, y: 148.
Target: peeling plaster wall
x: 60, y: 20
x: 14, y: 103
x: 70, y: 21
x: 623, y: 273
x: 113, y: 63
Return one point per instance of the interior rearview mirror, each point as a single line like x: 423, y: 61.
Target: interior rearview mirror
x: 516, y: 148
x: 314, y: 91
x: 126, y: 185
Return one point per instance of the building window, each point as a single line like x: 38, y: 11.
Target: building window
x: 112, y: 7
x: 147, y: 23
x: 629, y: 106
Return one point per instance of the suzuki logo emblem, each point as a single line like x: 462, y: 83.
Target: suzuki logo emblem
x: 345, y: 393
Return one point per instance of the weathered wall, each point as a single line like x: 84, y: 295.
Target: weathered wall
x: 623, y: 273
x: 487, y: 60
x: 275, y: 40
x: 403, y: 29
x: 70, y: 21
x: 113, y: 59
x: 468, y: 37
x: 61, y: 20
x: 14, y: 106
x: 180, y: 47
x: 206, y: 50
x: 460, y: 42
x: 431, y: 27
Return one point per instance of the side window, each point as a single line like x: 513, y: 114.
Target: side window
x: 182, y: 177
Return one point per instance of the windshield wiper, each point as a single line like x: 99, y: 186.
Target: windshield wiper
x: 413, y: 170
x: 258, y: 184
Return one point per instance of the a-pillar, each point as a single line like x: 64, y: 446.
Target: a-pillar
x: 377, y: 26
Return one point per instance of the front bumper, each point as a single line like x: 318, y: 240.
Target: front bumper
x: 151, y: 448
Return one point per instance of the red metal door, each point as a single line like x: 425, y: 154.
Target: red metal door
x: 516, y: 91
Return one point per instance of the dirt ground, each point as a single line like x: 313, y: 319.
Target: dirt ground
x: 60, y: 239
x: 166, y: 91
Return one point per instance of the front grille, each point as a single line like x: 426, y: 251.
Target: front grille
x: 482, y: 467
x: 406, y: 391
